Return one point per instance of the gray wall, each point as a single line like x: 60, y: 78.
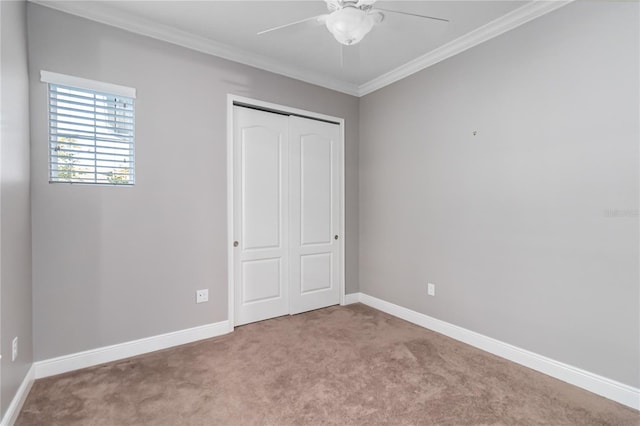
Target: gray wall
x: 112, y: 264
x: 514, y: 225
x: 15, y: 205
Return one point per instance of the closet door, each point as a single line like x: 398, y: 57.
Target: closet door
x: 315, y: 214
x: 261, y: 215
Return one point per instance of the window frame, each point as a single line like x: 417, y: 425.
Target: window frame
x: 93, y: 87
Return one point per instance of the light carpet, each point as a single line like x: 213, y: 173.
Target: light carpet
x: 350, y: 365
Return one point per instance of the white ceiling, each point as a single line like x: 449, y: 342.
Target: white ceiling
x: 397, y: 47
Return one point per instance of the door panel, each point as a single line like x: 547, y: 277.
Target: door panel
x: 261, y: 192
x: 261, y: 206
x: 315, y: 272
x: 261, y: 280
x: 315, y: 214
x: 315, y: 158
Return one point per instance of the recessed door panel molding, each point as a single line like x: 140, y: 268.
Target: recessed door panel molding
x: 286, y: 210
x: 261, y: 149
x: 316, y: 174
x: 261, y: 280
x: 316, y: 273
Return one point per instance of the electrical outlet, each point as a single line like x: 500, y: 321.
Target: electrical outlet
x: 14, y: 349
x: 431, y: 289
x: 202, y: 295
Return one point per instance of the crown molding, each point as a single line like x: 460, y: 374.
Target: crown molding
x: 109, y: 16
x: 99, y: 13
x: 511, y: 20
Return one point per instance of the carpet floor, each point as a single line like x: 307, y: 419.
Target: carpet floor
x: 350, y: 365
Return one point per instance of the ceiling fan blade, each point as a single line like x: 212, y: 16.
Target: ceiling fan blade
x: 333, y: 4
x: 318, y: 17
x: 412, y: 14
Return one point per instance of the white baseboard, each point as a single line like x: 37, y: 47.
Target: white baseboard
x: 97, y: 356
x: 599, y: 385
x: 351, y: 298
x: 18, y: 400
x: 611, y: 389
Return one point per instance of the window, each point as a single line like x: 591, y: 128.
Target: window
x: 91, y: 131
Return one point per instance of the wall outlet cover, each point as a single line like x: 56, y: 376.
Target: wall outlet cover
x: 431, y: 289
x: 202, y: 295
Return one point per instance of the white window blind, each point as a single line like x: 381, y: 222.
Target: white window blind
x: 91, y: 134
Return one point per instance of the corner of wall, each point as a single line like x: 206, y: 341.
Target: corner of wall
x: 15, y: 212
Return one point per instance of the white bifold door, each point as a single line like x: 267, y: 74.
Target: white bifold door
x: 286, y: 204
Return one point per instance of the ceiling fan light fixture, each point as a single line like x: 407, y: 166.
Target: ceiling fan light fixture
x: 350, y: 24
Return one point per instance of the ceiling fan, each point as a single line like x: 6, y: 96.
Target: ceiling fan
x: 350, y: 20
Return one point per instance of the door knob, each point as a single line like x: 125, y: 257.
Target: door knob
x: 335, y: 238
x: 235, y: 244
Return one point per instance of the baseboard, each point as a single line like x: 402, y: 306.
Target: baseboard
x: 597, y: 384
x: 18, y: 400
x: 97, y: 356
x: 611, y: 389
x: 351, y: 298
